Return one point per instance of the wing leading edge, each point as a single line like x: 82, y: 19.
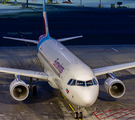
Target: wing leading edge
x: 36, y: 42
x: 114, y: 68
x: 27, y: 73
x: 21, y: 39
x: 68, y: 38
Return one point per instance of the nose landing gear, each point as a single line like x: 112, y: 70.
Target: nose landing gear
x: 78, y: 114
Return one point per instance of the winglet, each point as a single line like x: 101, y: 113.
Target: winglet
x: 69, y: 38
x: 21, y: 39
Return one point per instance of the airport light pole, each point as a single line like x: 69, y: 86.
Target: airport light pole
x: 80, y: 2
x: 99, y: 3
x: 15, y: 2
x: 27, y: 3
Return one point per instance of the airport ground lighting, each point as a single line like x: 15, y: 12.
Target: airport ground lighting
x: 99, y: 3
x: 80, y: 2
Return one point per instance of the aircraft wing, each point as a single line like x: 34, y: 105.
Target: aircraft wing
x: 68, y: 38
x: 114, y: 68
x: 20, y: 39
x: 27, y: 73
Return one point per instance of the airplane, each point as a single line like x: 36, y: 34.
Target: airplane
x: 66, y: 72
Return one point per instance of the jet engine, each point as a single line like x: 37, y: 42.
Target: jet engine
x: 114, y: 87
x: 19, y: 90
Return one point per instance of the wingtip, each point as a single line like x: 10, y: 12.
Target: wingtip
x: 5, y: 37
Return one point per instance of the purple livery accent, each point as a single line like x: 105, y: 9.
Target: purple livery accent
x: 58, y: 66
x: 41, y: 37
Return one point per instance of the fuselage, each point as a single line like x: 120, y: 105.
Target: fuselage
x: 68, y: 73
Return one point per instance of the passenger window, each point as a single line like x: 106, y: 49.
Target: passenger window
x: 88, y: 83
x: 70, y: 81
x: 94, y: 81
x: 74, y: 82
x: 80, y: 83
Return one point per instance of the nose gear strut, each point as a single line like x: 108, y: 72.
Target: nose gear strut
x: 78, y: 114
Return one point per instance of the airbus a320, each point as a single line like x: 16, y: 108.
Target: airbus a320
x: 64, y: 71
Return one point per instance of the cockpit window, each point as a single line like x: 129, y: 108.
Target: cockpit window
x: 80, y: 83
x: 74, y: 82
x: 70, y: 81
x: 89, y: 82
x: 94, y: 81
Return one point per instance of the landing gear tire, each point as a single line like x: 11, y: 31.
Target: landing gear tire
x: 76, y: 115
x: 81, y: 115
x: 34, y: 90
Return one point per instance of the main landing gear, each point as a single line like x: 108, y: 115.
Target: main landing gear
x: 78, y: 114
x: 32, y: 87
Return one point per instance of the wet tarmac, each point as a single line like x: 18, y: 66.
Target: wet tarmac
x: 49, y: 104
x: 98, y: 26
x: 103, y: 26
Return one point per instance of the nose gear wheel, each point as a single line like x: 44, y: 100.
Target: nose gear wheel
x: 78, y: 114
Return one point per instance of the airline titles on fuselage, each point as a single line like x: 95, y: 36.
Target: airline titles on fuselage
x: 58, y: 66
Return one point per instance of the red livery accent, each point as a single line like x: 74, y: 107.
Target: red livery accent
x: 67, y: 90
x: 41, y: 37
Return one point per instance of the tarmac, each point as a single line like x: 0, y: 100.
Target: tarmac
x: 10, y: 9
x: 50, y: 104
x: 98, y: 26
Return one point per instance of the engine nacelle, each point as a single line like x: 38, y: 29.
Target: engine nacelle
x: 19, y: 90
x: 114, y: 87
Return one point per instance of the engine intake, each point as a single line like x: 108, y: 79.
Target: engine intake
x: 19, y: 90
x: 114, y: 87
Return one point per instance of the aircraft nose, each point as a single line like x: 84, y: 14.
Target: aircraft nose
x: 89, y: 97
x: 87, y: 100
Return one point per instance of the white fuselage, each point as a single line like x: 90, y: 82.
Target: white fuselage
x: 62, y: 67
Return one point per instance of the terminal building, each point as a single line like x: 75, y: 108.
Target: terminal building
x: 88, y: 3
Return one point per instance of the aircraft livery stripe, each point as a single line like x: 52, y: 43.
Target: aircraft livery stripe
x: 45, y: 22
x: 44, y: 25
x: 43, y: 40
x: 44, y: 17
x: 44, y: 8
x: 46, y: 35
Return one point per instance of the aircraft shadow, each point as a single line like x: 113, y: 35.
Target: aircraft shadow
x: 105, y: 97
x: 122, y: 78
x: 44, y: 92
